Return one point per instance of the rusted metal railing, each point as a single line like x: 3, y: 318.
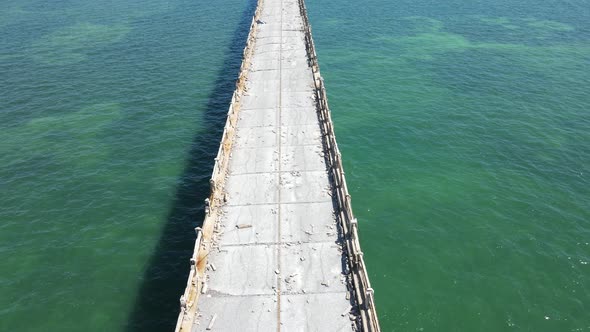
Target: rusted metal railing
x: 198, y: 262
x: 363, y: 293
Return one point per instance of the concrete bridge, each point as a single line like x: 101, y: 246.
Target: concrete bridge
x: 279, y: 249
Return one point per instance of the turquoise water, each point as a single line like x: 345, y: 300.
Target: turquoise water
x: 464, y: 128
x: 465, y: 132
x: 110, y: 115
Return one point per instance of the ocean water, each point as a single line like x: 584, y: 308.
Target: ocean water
x: 465, y: 133
x: 110, y: 114
x: 464, y: 128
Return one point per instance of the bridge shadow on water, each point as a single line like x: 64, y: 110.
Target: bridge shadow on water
x: 157, y: 303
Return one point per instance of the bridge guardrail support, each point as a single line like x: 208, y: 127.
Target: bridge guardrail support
x: 363, y: 291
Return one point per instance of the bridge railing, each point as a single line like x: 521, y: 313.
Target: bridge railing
x: 198, y: 261
x: 363, y: 293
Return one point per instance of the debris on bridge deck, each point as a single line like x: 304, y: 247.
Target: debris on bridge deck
x: 279, y: 247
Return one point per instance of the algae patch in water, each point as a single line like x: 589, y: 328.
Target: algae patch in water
x: 75, y: 43
x: 537, y: 25
x: 78, y: 138
x: 431, y: 37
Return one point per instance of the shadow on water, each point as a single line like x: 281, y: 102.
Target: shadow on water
x: 157, y: 304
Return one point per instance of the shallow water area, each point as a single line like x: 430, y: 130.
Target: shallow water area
x: 464, y: 131
x: 109, y: 118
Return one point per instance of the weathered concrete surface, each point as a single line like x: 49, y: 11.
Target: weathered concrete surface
x: 278, y: 261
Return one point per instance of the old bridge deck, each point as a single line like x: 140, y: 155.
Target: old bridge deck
x: 278, y: 249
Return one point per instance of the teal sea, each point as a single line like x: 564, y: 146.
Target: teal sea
x: 464, y: 128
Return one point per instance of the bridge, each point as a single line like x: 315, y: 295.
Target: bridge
x: 279, y: 246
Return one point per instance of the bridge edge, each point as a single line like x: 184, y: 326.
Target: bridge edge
x: 198, y: 261
x: 364, y: 293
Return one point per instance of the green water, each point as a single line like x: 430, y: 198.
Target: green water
x: 465, y: 132
x: 110, y: 113
x: 464, y: 128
